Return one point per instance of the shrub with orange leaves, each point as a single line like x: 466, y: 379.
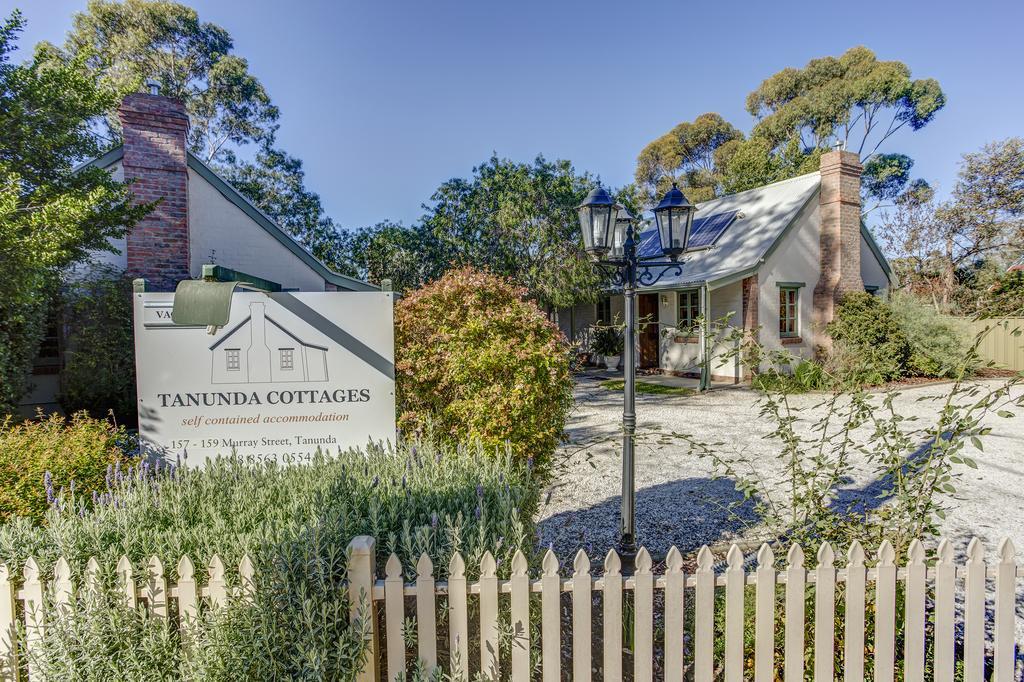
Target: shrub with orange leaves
x: 477, y: 360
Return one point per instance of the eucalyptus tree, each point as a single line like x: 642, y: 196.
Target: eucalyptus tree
x: 854, y: 100
x: 690, y: 155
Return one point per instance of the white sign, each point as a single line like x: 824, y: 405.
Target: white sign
x: 290, y: 373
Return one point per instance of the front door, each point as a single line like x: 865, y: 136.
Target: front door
x: 648, y: 330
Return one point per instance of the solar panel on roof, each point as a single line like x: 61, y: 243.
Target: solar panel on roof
x: 706, y: 231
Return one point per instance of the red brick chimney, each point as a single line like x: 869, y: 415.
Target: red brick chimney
x: 839, y: 208
x: 155, y: 130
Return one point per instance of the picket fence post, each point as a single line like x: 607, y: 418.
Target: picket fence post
x: 362, y: 573
x: 8, y: 616
x: 989, y: 643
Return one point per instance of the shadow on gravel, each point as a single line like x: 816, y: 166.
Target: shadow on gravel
x: 687, y: 513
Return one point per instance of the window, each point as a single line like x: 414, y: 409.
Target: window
x: 604, y: 310
x: 233, y: 357
x: 789, y: 316
x: 689, y: 309
x: 288, y: 358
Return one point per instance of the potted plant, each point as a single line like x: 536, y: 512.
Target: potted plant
x: 606, y: 344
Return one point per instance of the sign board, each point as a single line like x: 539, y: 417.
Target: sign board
x: 291, y: 372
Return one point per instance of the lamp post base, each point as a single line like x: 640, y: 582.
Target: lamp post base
x: 627, y: 554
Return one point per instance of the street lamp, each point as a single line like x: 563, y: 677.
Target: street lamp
x: 609, y: 238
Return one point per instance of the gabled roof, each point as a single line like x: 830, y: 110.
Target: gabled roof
x: 765, y: 215
x: 259, y: 217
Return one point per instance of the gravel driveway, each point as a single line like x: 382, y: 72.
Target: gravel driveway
x: 678, y: 502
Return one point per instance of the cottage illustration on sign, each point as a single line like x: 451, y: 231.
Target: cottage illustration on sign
x: 260, y: 350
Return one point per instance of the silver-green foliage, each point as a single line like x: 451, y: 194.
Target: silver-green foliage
x: 938, y: 343
x: 295, y: 521
x: 913, y: 463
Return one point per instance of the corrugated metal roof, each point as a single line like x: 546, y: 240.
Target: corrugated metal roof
x: 765, y: 213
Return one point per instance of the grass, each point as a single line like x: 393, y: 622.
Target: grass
x: 647, y: 387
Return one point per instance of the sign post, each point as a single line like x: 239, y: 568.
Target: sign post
x: 288, y: 374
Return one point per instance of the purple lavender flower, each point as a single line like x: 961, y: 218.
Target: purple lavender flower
x: 479, y: 490
x: 118, y: 476
x: 479, y: 512
x: 48, y: 484
x: 110, y: 475
x: 95, y: 498
x: 433, y: 520
x: 529, y: 463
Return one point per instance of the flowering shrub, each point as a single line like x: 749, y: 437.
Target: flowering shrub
x: 475, y: 360
x: 295, y: 521
x: 38, y: 459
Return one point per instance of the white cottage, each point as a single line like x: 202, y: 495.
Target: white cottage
x: 774, y: 260
x: 199, y: 219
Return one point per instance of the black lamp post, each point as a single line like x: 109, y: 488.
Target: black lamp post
x: 610, y: 239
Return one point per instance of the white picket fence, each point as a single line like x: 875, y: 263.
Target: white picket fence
x: 940, y: 599
x: 930, y: 589
x: 29, y: 601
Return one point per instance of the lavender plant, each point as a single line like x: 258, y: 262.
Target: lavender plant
x: 294, y: 519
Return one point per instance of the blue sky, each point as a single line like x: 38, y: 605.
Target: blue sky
x: 384, y: 100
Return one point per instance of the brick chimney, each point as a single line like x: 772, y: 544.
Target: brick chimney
x: 155, y: 130
x: 839, y: 208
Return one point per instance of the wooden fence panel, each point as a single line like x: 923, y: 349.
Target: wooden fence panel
x: 914, y: 615
x: 974, y: 613
x: 1005, y: 597
x: 945, y: 586
x: 188, y: 592
x: 8, y: 621
x: 551, y: 621
x: 520, y: 618
x: 155, y: 589
x: 489, y: 656
x: 612, y: 598
x: 582, y: 658
x: 856, y: 589
x: 704, y: 617
x: 394, y: 617
x: 885, y: 614
x: 643, y: 618
x: 126, y: 581
x: 33, y: 599
x: 675, y: 601
x: 824, y: 613
x: 38, y: 602
x: 426, y: 613
x: 796, y: 589
x: 458, y: 618
x: 764, y: 616
x: 735, y: 586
